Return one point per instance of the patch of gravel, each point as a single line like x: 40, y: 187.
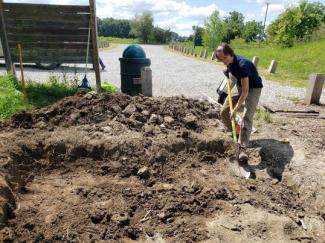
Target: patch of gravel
x: 173, y: 74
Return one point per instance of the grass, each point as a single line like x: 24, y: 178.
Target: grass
x: 294, y: 64
x: 110, y: 88
x: 263, y: 115
x: 11, y: 99
x: 118, y: 40
x: 38, y: 94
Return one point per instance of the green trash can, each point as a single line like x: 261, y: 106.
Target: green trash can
x: 132, y: 60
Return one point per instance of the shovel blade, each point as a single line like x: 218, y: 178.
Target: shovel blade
x: 240, y: 169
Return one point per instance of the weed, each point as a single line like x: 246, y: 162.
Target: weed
x: 263, y: 115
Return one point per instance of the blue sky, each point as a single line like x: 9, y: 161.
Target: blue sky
x: 181, y: 15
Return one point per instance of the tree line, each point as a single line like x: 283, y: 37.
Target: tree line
x: 140, y: 27
x: 294, y: 24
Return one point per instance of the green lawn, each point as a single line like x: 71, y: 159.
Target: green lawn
x: 38, y: 94
x: 294, y: 64
x: 118, y: 40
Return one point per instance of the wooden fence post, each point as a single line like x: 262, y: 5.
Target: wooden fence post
x: 93, y: 25
x: 5, y: 46
x: 314, y: 89
x: 146, y: 81
x: 273, y: 66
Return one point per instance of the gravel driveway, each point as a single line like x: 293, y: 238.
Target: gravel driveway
x: 173, y: 74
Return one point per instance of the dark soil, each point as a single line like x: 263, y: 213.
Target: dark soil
x: 122, y: 169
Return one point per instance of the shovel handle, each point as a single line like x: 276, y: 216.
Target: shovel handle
x: 233, y: 126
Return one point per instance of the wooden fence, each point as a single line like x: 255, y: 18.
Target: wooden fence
x: 49, y: 33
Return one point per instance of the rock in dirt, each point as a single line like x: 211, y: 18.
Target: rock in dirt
x: 6, y: 235
x: 121, y: 219
x: 156, y: 119
x: 168, y: 119
x: 97, y: 217
x: 41, y: 125
x: 144, y: 173
x: 117, y: 109
x: 90, y: 95
x: 191, y: 121
x: 163, y: 216
x: 130, y: 109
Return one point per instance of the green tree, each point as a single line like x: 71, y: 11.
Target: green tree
x: 197, y: 36
x: 253, y: 31
x: 233, y: 26
x: 114, y: 27
x: 297, y: 23
x: 142, y: 26
x: 214, y: 30
x: 160, y: 35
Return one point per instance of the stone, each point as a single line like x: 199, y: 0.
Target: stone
x: 90, y: 95
x: 162, y: 216
x: 168, y: 119
x: 190, y: 120
x: 156, y: 119
x: 75, y: 116
x: 145, y: 112
x: 41, y: 125
x: 130, y: 109
x: 153, y: 118
x: 116, y: 109
x: 106, y: 129
x: 144, y: 173
x: 121, y: 219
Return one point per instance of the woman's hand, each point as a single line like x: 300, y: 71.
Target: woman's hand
x: 233, y: 113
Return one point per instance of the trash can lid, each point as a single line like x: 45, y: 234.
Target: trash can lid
x: 134, y: 51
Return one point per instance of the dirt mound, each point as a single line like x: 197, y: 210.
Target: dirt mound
x: 92, y: 108
x: 119, y: 168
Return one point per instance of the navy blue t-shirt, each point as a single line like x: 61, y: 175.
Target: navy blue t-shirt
x: 241, y: 68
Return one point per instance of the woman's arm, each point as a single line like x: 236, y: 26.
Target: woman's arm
x: 243, y: 96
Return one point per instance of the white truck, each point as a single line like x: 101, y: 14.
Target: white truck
x: 47, y: 66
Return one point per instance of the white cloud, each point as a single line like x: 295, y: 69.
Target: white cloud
x: 177, y: 15
x: 250, y: 17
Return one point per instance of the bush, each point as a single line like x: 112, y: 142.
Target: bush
x: 11, y: 100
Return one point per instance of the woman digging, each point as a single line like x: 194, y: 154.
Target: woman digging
x: 243, y: 73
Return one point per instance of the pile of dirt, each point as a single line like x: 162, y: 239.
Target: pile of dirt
x: 119, y: 168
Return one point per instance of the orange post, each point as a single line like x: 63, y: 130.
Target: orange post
x: 22, y: 72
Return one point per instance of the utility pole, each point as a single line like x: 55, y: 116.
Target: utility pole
x: 194, y: 39
x: 267, y: 8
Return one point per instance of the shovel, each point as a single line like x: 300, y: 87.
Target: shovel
x: 239, y: 168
